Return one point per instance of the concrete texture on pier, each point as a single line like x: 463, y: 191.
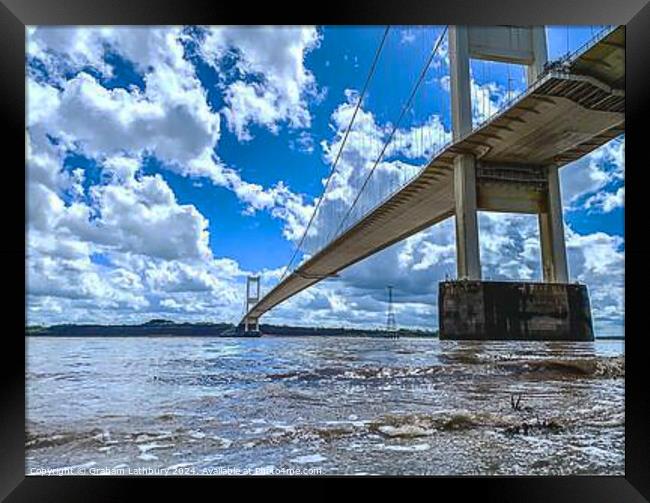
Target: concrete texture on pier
x: 496, y: 310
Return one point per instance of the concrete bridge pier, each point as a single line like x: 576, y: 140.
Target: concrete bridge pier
x: 251, y: 325
x: 470, y: 308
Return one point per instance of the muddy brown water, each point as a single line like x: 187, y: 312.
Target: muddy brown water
x: 328, y: 405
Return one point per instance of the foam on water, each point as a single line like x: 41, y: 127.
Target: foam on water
x: 310, y: 458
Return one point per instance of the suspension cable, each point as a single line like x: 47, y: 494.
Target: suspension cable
x: 371, y: 72
x: 397, y: 123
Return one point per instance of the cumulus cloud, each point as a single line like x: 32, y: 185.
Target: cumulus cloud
x: 606, y: 201
x: 65, y: 49
x: 303, y: 143
x: 276, y: 84
x: 123, y: 243
x: 595, y: 181
x: 142, y: 216
x: 124, y: 247
x: 180, y: 130
x: 598, y: 260
x: 170, y: 119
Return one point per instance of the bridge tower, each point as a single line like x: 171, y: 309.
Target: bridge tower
x: 474, y: 309
x: 251, y: 324
x: 391, y: 324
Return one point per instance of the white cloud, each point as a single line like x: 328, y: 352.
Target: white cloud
x: 487, y: 100
x: 407, y: 36
x: 586, y: 183
x: 170, y: 119
x: 598, y: 260
x: 275, y: 57
x: 180, y: 130
x: 304, y: 142
x: 142, y: 217
x: 138, y: 215
x: 154, y: 252
x: 509, y: 246
x: 421, y: 141
x: 76, y: 279
x: 606, y: 201
x: 69, y: 49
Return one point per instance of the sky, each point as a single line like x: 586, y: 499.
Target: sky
x: 167, y: 164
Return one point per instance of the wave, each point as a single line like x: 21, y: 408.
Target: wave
x: 406, y: 426
x: 143, y: 440
x: 606, y: 367
x: 359, y: 373
x: 280, y: 434
x: 414, y: 425
x: 42, y: 440
x: 284, y: 392
x: 94, y: 437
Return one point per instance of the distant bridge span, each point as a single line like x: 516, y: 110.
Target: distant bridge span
x: 570, y: 110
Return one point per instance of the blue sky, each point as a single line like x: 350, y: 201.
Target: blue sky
x: 166, y: 164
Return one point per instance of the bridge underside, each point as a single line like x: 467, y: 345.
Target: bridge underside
x: 567, y: 113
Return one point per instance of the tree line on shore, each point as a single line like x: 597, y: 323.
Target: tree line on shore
x: 166, y: 328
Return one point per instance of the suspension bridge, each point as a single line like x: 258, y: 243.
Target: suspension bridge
x: 509, y: 162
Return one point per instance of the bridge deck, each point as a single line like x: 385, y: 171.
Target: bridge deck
x: 569, y: 111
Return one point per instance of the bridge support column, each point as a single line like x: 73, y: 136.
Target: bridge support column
x: 540, y: 54
x: 551, y: 233
x: 468, y: 260
x: 461, y: 96
x: 467, y: 250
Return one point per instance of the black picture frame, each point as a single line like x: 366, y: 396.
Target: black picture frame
x: 15, y: 15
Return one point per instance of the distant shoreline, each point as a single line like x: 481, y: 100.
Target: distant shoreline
x: 165, y: 328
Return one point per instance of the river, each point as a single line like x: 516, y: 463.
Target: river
x: 323, y: 405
